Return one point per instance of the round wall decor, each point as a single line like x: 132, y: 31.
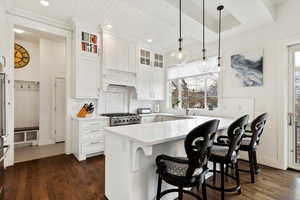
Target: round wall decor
x: 22, y: 57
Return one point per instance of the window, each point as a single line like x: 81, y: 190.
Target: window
x: 192, y: 88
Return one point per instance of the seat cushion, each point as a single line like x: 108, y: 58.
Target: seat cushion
x: 179, y: 169
x: 219, y: 154
x: 219, y: 150
x: 246, y: 141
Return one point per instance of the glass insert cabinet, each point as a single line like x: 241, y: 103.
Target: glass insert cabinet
x: 89, y: 43
x: 151, y: 59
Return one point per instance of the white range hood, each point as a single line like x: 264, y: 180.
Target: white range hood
x: 114, y: 77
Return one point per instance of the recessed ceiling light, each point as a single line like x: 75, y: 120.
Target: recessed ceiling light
x: 44, y: 2
x: 18, y: 30
x: 150, y: 40
x: 108, y: 26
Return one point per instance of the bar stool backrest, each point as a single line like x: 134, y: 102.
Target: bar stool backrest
x: 257, y: 128
x: 235, y: 133
x: 198, y: 144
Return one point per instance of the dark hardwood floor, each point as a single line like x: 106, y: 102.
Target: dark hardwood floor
x: 63, y: 178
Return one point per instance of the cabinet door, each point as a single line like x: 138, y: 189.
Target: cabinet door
x: 122, y: 55
x: 144, y: 83
x: 158, y: 84
x: 132, y: 59
x: 87, y: 78
x: 109, y: 52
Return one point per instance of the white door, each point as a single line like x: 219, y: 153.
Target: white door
x: 60, y: 110
x: 294, y: 107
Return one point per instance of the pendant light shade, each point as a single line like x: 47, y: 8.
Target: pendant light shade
x: 181, y: 56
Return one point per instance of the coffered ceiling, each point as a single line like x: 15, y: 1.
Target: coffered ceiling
x: 158, y: 19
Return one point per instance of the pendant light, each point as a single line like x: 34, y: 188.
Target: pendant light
x: 181, y: 56
x: 220, y: 8
x: 203, y: 34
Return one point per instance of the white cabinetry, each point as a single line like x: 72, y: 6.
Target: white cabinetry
x: 118, y: 54
x: 87, y: 67
x: 151, y: 83
x: 88, y: 137
x: 151, y: 76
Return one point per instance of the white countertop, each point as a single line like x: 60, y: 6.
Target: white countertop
x: 160, y: 132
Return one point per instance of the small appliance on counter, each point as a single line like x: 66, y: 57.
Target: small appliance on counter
x: 141, y: 111
x: 156, y: 108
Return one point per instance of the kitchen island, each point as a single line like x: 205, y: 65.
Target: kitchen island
x: 130, y: 153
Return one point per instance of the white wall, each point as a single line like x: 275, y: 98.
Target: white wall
x: 30, y: 72
x: 269, y: 97
x: 52, y: 64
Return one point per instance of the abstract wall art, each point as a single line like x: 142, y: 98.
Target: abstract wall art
x: 249, y: 68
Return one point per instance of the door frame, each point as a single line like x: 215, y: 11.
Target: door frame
x: 54, y: 106
x: 291, y: 108
x: 44, y: 25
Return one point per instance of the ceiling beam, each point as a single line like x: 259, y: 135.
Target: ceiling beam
x: 195, y: 12
x: 167, y: 13
x: 271, y: 8
x: 251, y: 12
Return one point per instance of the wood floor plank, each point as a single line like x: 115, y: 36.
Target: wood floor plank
x: 64, y: 178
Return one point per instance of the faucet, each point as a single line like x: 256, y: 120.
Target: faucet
x: 187, y: 111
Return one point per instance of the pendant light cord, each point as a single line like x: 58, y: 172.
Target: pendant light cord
x: 220, y: 8
x: 203, y: 17
x: 180, y: 36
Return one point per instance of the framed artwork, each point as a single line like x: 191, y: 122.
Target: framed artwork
x: 249, y: 68
x: 22, y: 57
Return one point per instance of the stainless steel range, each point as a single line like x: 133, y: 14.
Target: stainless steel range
x: 119, y: 119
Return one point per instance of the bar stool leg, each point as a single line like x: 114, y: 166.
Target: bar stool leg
x: 251, y: 166
x: 180, y: 194
x: 222, y: 181
x: 204, y: 193
x: 158, y: 188
x: 214, y: 172
x: 237, y: 176
x: 255, y: 163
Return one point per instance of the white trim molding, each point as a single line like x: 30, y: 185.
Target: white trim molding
x: 25, y: 14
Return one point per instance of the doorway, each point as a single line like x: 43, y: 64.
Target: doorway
x: 40, y: 58
x: 294, y: 107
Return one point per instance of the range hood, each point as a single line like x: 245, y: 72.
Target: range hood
x: 114, y: 77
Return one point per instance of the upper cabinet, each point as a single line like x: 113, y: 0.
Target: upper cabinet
x: 151, y: 76
x: 158, y: 60
x: 87, y: 65
x: 118, y: 54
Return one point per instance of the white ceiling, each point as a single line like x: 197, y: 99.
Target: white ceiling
x: 158, y: 19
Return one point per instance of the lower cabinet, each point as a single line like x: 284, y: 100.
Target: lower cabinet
x: 88, y: 137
